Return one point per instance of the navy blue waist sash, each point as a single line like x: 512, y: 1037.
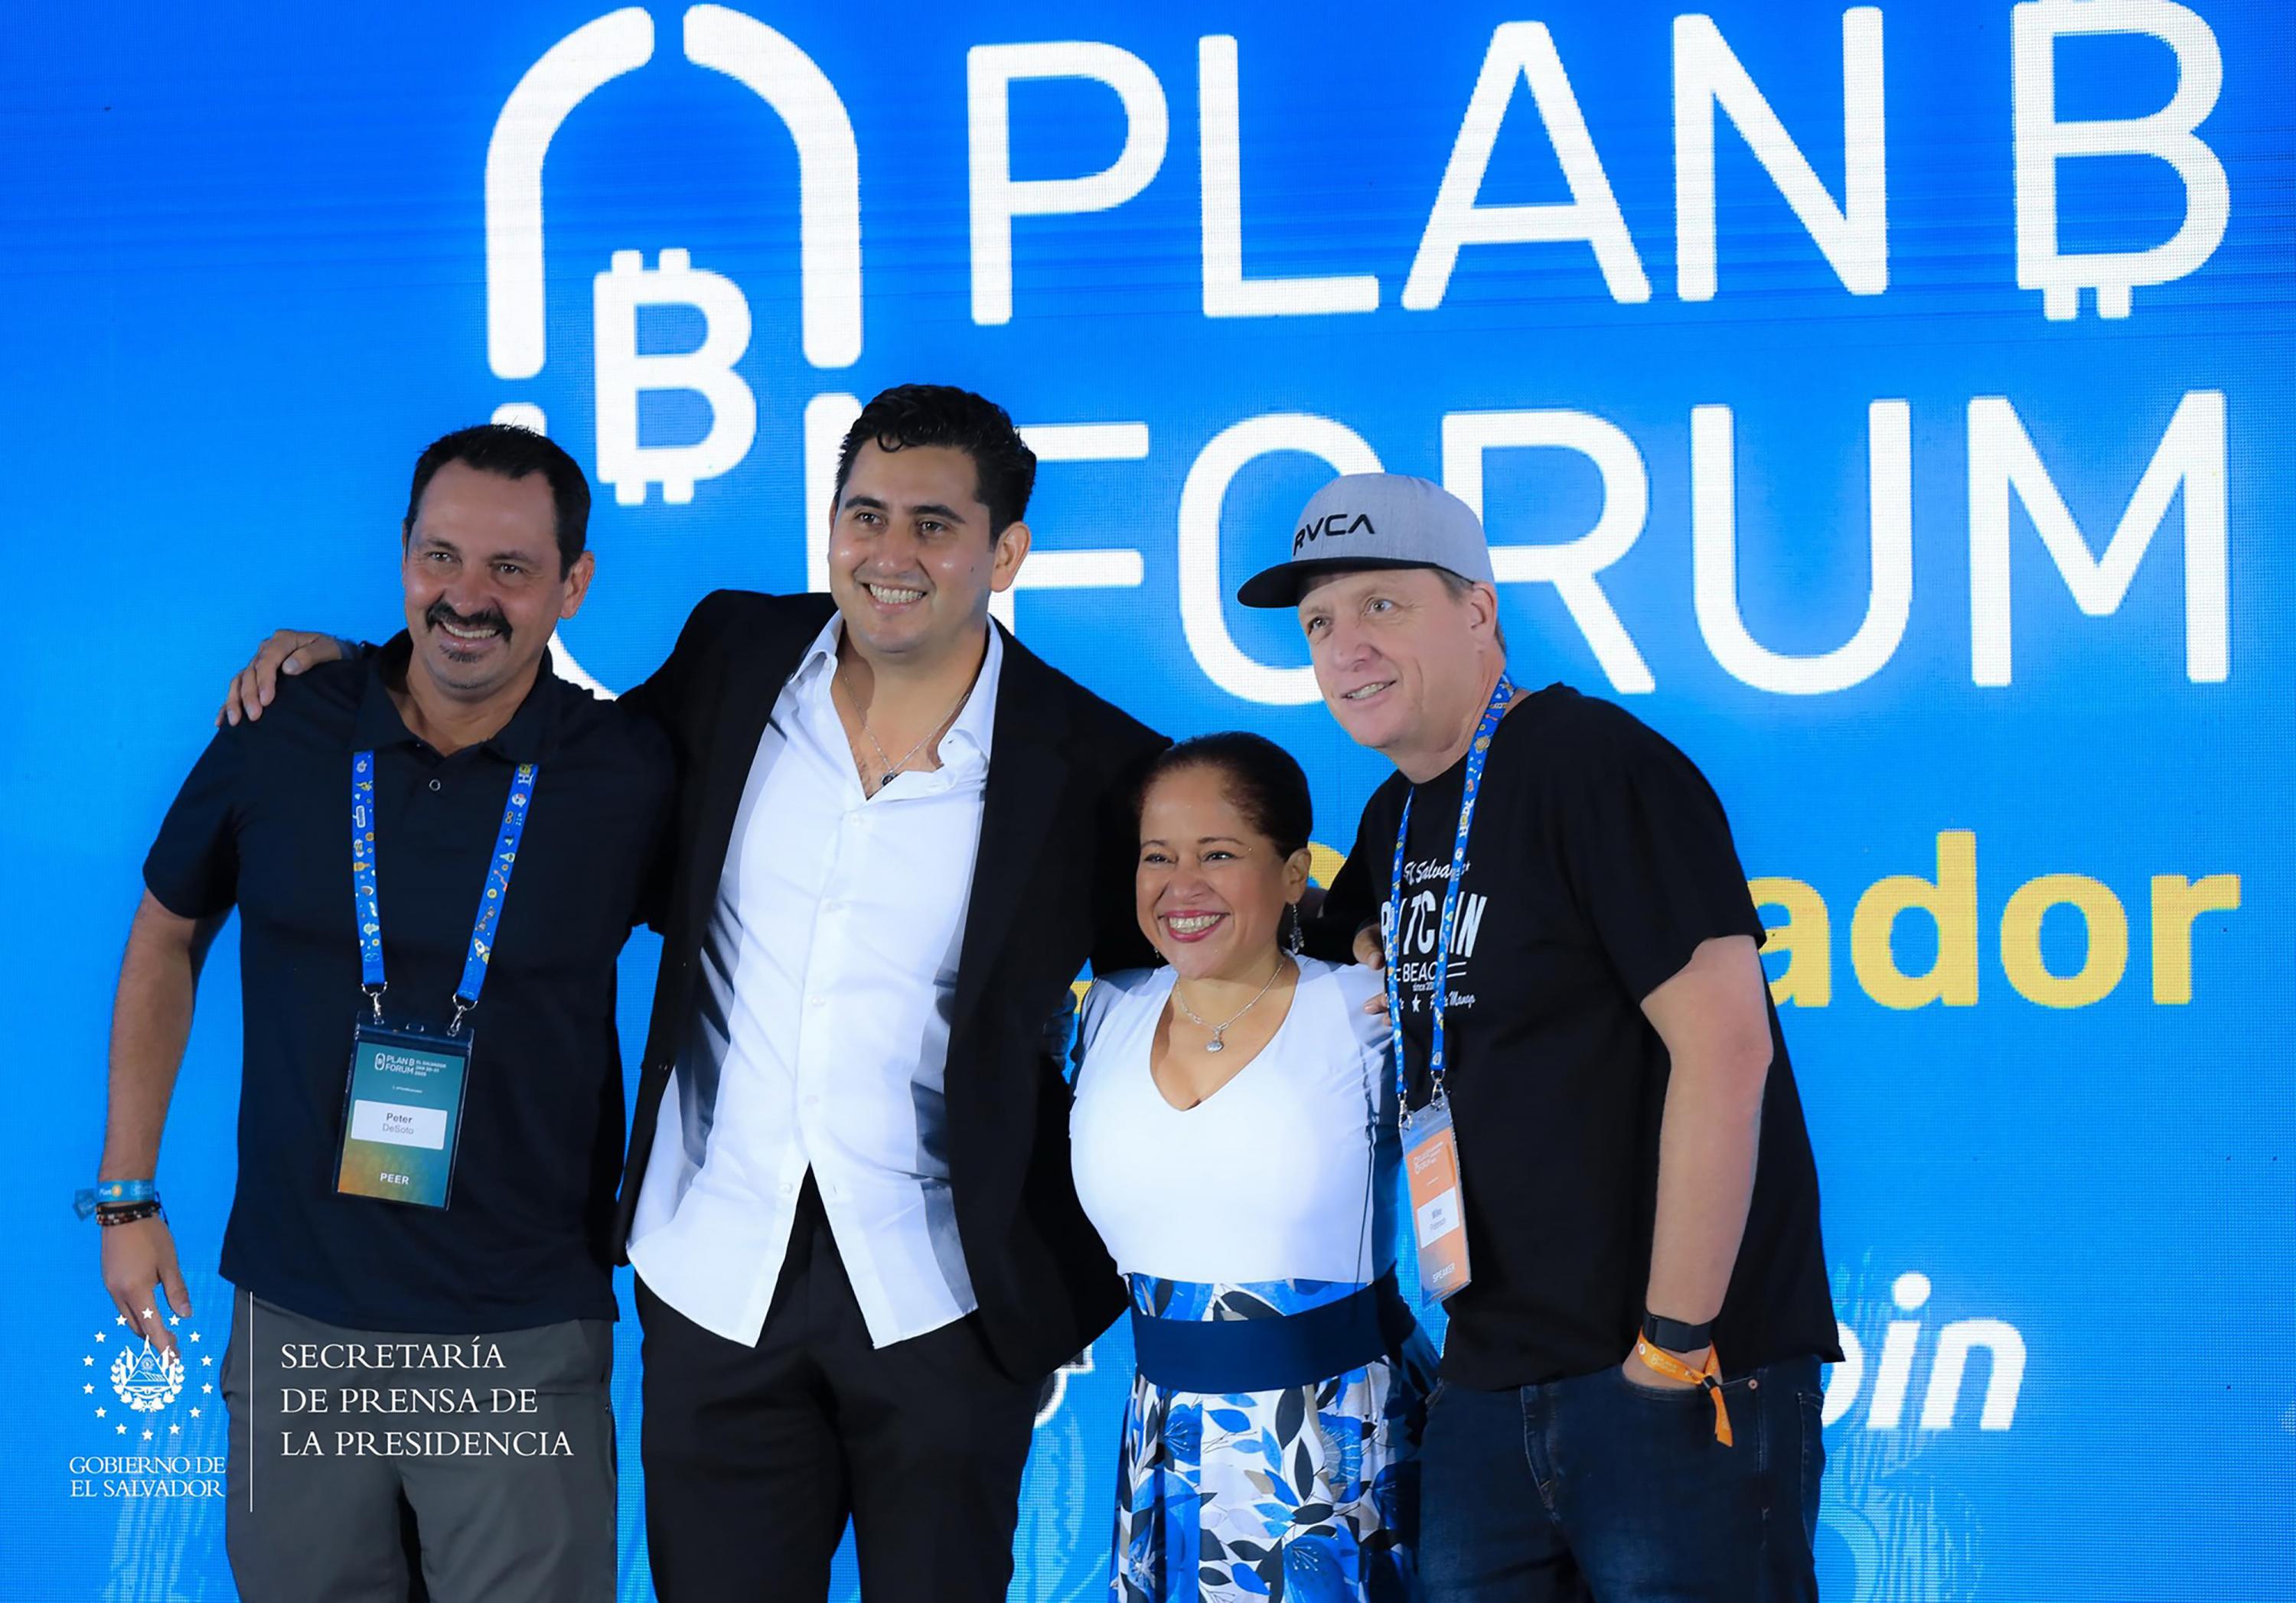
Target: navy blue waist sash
x: 1272, y: 1354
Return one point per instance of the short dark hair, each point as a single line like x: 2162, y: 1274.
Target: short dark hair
x: 1267, y: 786
x: 510, y: 451
x: 1004, y: 469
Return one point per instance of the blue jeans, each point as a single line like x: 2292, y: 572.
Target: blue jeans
x: 1596, y: 1488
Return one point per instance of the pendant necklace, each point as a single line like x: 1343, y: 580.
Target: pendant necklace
x: 892, y: 766
x: 1216, y: 1044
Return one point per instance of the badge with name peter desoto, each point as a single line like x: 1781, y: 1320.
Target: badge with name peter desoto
x: 403, y: 1114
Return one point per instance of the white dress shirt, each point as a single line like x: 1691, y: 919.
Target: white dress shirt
x: 821, y: 1037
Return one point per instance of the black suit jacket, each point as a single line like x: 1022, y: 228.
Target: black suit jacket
x: 1052, y: 887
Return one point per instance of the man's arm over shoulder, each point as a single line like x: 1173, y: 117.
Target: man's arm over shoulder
x: 288, y: 653
x: 667, y: 695
x: 682, y: 694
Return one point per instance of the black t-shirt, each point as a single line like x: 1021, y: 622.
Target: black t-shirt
x: 263, y: 824
x: 1599, y: 859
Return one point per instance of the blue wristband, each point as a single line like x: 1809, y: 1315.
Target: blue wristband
x: 85, y: 1202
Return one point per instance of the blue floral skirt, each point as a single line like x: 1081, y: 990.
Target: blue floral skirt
x: 1309, y: 1494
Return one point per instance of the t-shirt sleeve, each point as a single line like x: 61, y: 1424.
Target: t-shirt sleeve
x: 192, y: 869
x: 670, y: 694
x: 1647, y: 850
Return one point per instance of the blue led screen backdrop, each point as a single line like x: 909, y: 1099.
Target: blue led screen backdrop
x: 1892, y: 405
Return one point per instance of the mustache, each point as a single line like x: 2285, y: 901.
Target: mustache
x: 440, y: 612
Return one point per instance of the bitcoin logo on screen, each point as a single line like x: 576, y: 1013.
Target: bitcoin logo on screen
x: 707, y: 371
x: 829, y: 203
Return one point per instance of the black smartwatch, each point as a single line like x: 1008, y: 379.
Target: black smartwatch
x: 1675, y: 1336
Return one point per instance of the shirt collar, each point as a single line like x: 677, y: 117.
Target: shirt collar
x: 821, y: 655
x: 974, y: 731
x: 976, y: 720
x: 527, y: 737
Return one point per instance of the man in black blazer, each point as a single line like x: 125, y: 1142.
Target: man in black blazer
x: 756, y: 1450
x: 899, y: 836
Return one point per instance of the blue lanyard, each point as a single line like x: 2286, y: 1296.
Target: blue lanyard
x: 369, y: 907
x: 1470, y: 787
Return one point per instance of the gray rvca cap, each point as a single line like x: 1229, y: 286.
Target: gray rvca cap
x: 1375, y: 521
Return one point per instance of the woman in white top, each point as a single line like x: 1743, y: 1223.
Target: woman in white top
x: 1234, y: 1143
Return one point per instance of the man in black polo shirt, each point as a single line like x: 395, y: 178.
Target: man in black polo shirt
x: 421, y: 1339
x: 1611, y: 1183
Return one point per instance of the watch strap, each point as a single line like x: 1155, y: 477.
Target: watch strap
x: 1675, y: 1336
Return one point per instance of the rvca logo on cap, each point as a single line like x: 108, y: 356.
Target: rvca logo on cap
x: 1330, y: 527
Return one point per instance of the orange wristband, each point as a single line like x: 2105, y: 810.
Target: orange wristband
x: 1710, y: 1378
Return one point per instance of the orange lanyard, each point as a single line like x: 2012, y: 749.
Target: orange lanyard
x: 1710, y: 1378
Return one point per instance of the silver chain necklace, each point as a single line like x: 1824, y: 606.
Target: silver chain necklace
x: 1216, y: 1044
x: 892, y: 766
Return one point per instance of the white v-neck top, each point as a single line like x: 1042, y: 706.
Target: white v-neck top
x: 1287, y: 1171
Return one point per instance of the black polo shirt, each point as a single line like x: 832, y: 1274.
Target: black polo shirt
x: 1600, y: 860
x: 264, y: 824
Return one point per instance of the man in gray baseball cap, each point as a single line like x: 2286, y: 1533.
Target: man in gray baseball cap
x: 1408, y: 560
x: 1376, y: 520
x: 1612, y: 1187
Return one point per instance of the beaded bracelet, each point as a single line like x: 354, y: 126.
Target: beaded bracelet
x: 126, y: 1212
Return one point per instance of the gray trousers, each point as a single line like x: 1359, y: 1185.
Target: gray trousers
x: 377, y: 1466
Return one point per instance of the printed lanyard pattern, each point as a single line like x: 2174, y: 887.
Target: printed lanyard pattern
x: 1471, y: 786
x: 369, y: 908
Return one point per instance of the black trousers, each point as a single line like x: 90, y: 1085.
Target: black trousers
x: 756, y: 1457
